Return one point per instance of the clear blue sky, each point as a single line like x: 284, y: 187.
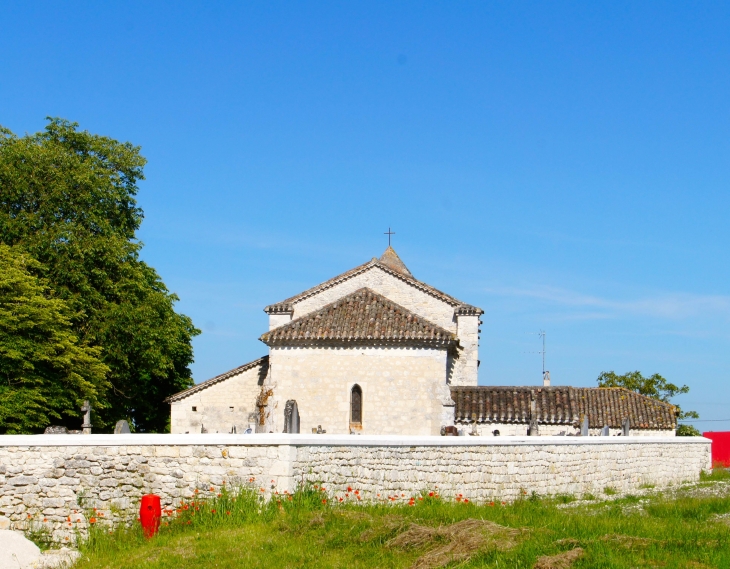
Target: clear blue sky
x: 565, y: 166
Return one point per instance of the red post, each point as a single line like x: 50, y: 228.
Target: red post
x: 150, y: 513
x: 720, y: 447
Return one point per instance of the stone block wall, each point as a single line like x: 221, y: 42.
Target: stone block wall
x: 403, y: 389
x: 219, y: 407
x: 54, y: 481
x: 393, y: 288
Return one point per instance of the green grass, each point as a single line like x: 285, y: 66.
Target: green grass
x: 240, y: 530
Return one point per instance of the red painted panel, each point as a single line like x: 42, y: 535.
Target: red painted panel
x: 720, y: 446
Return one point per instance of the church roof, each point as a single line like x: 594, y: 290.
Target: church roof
x: 388, y: 262
x: 363, y: 317
x: 263, y: 363
x: 558, y: 405
x: 391, y: 260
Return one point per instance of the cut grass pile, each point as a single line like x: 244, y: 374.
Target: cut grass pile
x: 311, y: 529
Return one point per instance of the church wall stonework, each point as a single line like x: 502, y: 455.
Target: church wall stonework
x: 54, y: 481
x: 219, y: 407
x: 467, y: 364
x: 403, y: 389
x: 427, y: 306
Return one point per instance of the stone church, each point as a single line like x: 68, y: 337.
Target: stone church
x: 373, y: 350
x: 376, y: 351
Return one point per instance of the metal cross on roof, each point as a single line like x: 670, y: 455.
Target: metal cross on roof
x: 389, y: 233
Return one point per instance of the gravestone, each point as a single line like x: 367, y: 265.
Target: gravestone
x: 626, y: 427
x: 291, y: 417
x: 122, y: 428
x: 55, y: 430
x: 605, y: 432
x: 86, y: 410
x: 584, y: 427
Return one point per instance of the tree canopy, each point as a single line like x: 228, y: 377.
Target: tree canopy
x: 654, y: 386
x: 67, y: 201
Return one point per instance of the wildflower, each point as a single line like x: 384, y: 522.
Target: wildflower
x: 420, y: 497
x: 262, y: 490
x: 228, y: 513
x: 101, y: 514
x: 189, y: 522
x: 45, y: 519
x: 322, y: 489
x: 349, y: 489
x: 458, y: 498
x: 185, y: 507
x: 340, y: 499
x: 358, y: 497
x: 491, y: 503
x: 212, y: 511
x: 466, y: 500
x: 251, y: 479
x: 29, y: 516
x: 503, y: 503
x: 347, y: 495
x: 290, y: 498
x: 357, y: 491
x: 68, y: 519
x: 211, y: 489
x: 430, y: 494
x: 196, y: 490
x: 324, y: 501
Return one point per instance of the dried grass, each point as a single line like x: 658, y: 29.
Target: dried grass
x: 459, y: 541
x: 560, y: 561
x: 388, y: 524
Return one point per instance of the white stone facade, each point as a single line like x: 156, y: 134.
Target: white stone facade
x: 403, y: 389
x: 47, y: 479
x: 520, y: 430
x: 220, y: 407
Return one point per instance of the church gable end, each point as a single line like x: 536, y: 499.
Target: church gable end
x: 387, y: 276
x: 364, y: 318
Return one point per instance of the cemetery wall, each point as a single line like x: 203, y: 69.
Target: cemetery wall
x: 55, y: 481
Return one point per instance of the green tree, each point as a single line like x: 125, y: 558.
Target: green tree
x: 45, y: 373
x: 654, y: 386
x: 67, y: 198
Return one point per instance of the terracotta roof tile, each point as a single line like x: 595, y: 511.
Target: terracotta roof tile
x: 361, y: 317
x: 562, y: 406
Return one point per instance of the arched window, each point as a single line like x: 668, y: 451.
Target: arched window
x: 356, y: 405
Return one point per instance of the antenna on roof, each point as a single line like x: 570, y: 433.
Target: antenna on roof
x: 545, y: 373
x: 389, y: 233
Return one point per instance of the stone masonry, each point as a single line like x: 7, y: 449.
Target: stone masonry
x: 55, y: 481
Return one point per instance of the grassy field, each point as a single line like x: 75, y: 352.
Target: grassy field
x: 683, y: 528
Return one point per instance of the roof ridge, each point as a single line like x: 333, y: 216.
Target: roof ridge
x: 285, y: 305
x: 438, y: 335
x: 217, y: 379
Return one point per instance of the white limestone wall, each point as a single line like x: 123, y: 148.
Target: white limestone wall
x: 520, y: 430
x: 47, y: 479
x: 425, y: 305
x: 467, y: 364
x: 403, y: 389
x: 218, y: 407
x: 276, y: 320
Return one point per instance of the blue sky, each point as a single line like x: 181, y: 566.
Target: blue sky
x: 562, y: 165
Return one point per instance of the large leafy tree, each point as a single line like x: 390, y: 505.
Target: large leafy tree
x: 654, y: 386
x: 67, y: 198
x: 45, y: 373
